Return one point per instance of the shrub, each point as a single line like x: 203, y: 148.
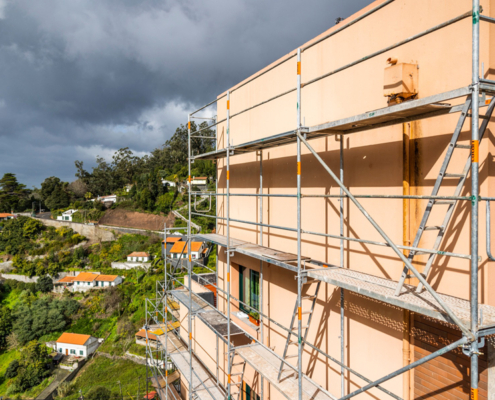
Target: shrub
x: 12, y: 369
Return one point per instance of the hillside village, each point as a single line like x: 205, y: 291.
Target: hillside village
x: 77, y: 262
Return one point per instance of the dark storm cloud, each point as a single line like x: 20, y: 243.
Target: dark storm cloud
x: 83, y: 77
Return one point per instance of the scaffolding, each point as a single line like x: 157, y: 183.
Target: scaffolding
x: 175, y: 352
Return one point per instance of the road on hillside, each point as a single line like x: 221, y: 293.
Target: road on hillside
x: 44, y: 215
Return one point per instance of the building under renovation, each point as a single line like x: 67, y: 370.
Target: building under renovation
x: 354, y: 181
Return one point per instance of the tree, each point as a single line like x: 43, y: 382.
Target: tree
x: 54, y: 193
x: 79, y: 188
x: 44, y: 284
x: 13, y: 195
x: 34, y: 366
x: 12, y: 369
x: 5, y: 325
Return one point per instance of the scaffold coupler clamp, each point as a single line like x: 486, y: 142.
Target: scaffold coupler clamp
x: 468, y: 351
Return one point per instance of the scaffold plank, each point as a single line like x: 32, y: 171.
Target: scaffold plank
x: 200, y: 379
x: 384, y: 290
x: 404, y: 112
x: 208, y: 314
x: 268, y: 365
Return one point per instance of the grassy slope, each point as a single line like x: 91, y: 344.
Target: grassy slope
x: 102, y: 371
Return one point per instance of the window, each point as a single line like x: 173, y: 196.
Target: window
x: 72, y: 351
x: 248, y: 394
x: 89, y: 283
x: 249, y: 288
x: 81, y: 353
x: 60, y: 350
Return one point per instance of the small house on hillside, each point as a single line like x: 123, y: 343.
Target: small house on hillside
x: 66, y: 215
x: 108, y: 280
x: 6, y: 216
x: 168, y: 183
x: 141, y: 338
x: 180, y: 248
x: 201, y: 182
x: 65, y: 283
x: 170, y: 241
x: 90, y: 280
x: 139, y: 256
x: 76, y: 344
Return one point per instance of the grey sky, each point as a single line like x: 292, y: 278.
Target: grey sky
x: 82, y: 78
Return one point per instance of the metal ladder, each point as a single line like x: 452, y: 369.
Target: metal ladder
x: 449, y: 203
x: 237, y: 385
x: 305, y: 327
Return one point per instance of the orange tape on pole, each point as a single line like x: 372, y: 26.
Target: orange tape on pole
x: 299, y: 313
x: 189, y: 125
x: 228, y: 175
x: 299, y: 168
x: 474, y: 394
x: 230, y: 379
x: 299, y: 68
x: 228, y: 276
x: 190, y: 336
x: 475, y: 149
x: 228, y: 104
x: 166, y: 310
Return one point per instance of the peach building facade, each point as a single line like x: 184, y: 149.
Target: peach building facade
x: 402, y: 158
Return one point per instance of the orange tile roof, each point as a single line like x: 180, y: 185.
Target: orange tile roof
x: 5, y: 215
x: 67, y: 279
x: 86, y: 277
x: 73, y: 338
x: 107, y: 278
x: 178, y: 246
x: 142, y: 333
x: 139, y: 254
x: 172, y: 239
x: 200, y: 177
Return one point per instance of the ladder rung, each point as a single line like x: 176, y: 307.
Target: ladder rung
x: 309, y: 297
x: 447, y: 175
x: 292, y: 356
x: 236, y: 374
x: 445, y: 202
x: 420, y: 253
x: 434, y: 228
x: 306, y: 312
x: 302, y: 327
x: 235, y: 383
x: 463, y: 146
x: 235, y: 365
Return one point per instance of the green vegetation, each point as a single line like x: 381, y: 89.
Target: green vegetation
x: 101, y: 255
x: 18, y: 235
x: 106, y: 373
x: 13, y: 195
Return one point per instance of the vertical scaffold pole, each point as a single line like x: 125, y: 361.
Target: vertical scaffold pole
x: 189, y: 263
x: 146, y: 333
x: 165, y: 312
x: 475, y: 194
x: 299, y: 283
x: 342, y: 339
x: 227, y: 216
x: 262, y: 380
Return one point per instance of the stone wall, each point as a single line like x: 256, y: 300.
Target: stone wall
x: 92, y: 232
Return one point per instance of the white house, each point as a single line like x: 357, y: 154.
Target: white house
x: 75, y: 344
x: 138, y: 256
x: 90, y: 280
x: 169, y: 183
x: 66, y: 215
x: 103, y: 281
x: 200, y: 181
x: 180, y: 248
x: 111, y: 198
x: 6, y: 216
